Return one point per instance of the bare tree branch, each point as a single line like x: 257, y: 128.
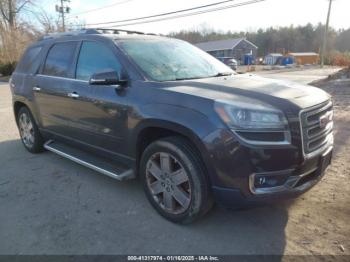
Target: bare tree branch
x: 18, y: 9
x: 2, y: 9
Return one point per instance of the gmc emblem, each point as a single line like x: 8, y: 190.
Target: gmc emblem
x: 325, y: 119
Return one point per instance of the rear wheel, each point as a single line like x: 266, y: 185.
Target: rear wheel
x: 29, y: 132
x: 174, y: 180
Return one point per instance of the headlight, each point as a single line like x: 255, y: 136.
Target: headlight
x: 254, y: 121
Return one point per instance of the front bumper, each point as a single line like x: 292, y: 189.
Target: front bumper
x: 295, y: 185
x: 242, y: 174
x: 292, y: 182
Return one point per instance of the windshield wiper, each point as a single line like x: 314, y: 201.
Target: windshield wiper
x: 217, y: 75
x: 223, y: 74
x: 187, y: 78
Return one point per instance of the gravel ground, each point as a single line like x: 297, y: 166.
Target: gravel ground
x: 49, y: 205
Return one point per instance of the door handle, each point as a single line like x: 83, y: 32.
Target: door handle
x: 73, y: 95
x: 36, y: 89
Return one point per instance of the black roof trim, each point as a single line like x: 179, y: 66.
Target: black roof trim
x: 90, y: 31
x: 69, y: 33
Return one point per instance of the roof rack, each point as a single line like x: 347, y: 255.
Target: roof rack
x: 115, y: 31
x: 69, y: 33
x: 92, y: 31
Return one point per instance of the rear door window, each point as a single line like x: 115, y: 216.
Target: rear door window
x: 59, y: 59
x: 30, y: 60
x: 95, y: 57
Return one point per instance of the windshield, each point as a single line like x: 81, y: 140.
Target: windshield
x: 170, y: 59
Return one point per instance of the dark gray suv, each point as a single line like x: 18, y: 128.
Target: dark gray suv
x: 129, y: 105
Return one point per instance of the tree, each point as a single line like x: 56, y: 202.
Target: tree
x: 9, y: 9
x: 15, y: 33
x: 342, y: 42
x: 306, y: 38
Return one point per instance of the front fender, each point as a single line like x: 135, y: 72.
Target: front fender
x: 190, y: 123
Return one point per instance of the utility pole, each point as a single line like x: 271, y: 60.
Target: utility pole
x: 324, y: 44
x: 62, y: 10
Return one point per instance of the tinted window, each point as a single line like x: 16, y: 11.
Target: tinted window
x: 30, y: 60
x: 95, y: 57
x: 59, y: 59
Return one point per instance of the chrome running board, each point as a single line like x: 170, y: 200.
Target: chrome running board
x: 88, y: 160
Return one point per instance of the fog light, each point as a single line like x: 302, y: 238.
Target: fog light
x: 262, y: 181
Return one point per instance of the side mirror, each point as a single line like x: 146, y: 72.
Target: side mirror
x: 107, y: 77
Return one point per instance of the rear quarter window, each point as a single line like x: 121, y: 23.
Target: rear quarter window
x: 30, y: 60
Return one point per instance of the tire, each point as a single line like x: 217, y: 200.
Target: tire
x: 175, y: 181
x: 29, y: 132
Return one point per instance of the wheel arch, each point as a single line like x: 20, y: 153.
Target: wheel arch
x: 17, y: 105
x: 19, y: 102
x: 152, y: 130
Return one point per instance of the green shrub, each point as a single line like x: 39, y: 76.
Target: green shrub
x: 7, y: 68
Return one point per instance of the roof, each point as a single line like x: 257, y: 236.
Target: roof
x: 274, y: 54
x: 303, y: 54
x: 110, y: 33
x: 110, y: 37
x: 222, y: 44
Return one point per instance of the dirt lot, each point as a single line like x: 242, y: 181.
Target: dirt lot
x: 49, y: 205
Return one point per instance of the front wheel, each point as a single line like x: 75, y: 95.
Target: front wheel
x: 174, y: 180
x: 29, y: 132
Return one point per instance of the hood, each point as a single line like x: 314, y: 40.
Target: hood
x: 263, y: 89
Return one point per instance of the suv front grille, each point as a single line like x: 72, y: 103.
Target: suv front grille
x: 316, y: 127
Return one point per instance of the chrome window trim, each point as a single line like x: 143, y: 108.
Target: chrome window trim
x: 63, y: 78
x: 98, y: 80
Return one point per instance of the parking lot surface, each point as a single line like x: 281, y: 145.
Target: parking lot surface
x: 299, y: 75
x: 50, y: 205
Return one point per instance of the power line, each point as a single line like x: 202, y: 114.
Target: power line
x: 164, y: 14
x: 101, y: 8
x: 184, y: 15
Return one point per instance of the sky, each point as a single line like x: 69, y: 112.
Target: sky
x: 245, y: 18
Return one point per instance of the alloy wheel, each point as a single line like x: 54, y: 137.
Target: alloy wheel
x: 26, y: 130
x: 168, y: 182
